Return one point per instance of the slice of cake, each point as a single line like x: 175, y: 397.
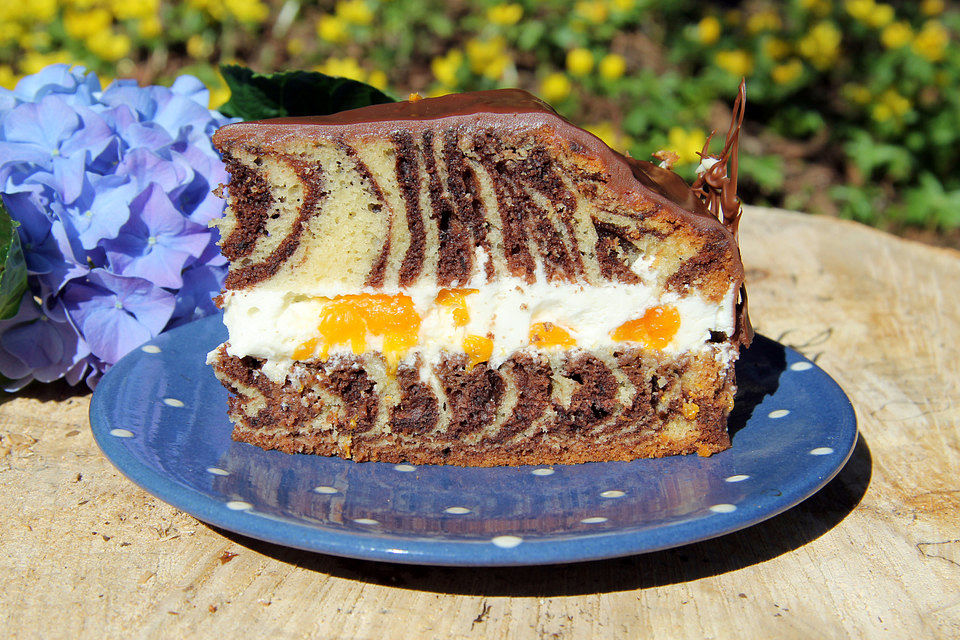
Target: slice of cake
x: 473, y: 280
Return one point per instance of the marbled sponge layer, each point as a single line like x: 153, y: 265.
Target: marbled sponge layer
x: 457, y: 194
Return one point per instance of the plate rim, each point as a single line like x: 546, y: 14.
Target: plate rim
x: 387, y: 548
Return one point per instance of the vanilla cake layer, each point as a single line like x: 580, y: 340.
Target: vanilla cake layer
x: 470, y: 281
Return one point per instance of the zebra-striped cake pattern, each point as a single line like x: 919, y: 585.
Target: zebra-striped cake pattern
x: 447, y: 202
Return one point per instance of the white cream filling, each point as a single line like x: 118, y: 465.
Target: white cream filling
x: 273, y: 324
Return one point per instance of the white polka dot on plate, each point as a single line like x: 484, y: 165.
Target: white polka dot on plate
x: 736, y: 478
x: 612, y: 493
x: 801, y: 366
x: 326, y: 490
x: 507, y: 542
x: 150, y: 348
x: 404, y: 468
x: 121, y: 433
x: 457, y: 511
x: 542, y: 472
x: 366, y: 521
x: 172, y: 402
x: 723, y: 508
x: 821, y: 451
x: 239, y: 505
x: 594, y: 520
x: 217, y: 471
x: 778, y: 413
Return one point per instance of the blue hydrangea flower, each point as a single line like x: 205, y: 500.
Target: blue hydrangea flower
x: 112, y: 189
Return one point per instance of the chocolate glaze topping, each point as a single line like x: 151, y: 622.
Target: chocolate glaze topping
x: 711, y: 203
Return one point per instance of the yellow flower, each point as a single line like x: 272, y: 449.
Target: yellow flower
x: 932, y: 41
x: 579, y: 61
x: 708, y: 30
x: 149, y: 27
x: 763, y: 21
x: 35, y: 40
x: 354, y: 12
x: 216, y: 8
x: 737, y: 62
x: 133, y: 9
x: 295, y: 46
x: 32, y: 62
x: 857, y: 93
x: 624, y: 5
x: 445, y: 68
x: 377, y: 79
x: 484, y: 54
x: 817, y: 7
x: 252, y: 11
x: 686, y: 144
x: 8, y: 80
x: 593, y: 12
x: 10, y: 31
x: 332, y: 29
x: 612, y: 66
x: 611, y: 136
x: 109, y: 46
x: 881, y: 16
x: 932, y: 7
x: 860, y: 9
x: 896, y: 35
x: 505, y: 14
x: 495, y: 69
x: 821, y: 45
x: 219, y: 96
x: 776, y: 48
x: 84, y: 24
x: 898, y: 104
x: 787, y: 72
x: 198, y: 47
x: 38, y: 10
x: 343, y: 68
x: 881, y: 112
x: 555, y: 87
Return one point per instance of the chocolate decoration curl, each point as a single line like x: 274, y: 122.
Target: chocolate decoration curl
x: 717, y: 186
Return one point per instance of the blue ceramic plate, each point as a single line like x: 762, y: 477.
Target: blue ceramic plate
x: 160, y: 416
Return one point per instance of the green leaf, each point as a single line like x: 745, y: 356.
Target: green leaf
x: 255, y: 96
x: 767, y: 171
x: 13, y: 276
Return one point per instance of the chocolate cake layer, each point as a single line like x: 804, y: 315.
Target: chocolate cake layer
x: 534, y: 409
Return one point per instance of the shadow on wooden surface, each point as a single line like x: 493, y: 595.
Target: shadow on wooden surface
x: 55, y: 391
x: 765, y: 541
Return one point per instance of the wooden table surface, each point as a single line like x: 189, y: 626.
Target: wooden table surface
x: 85, y: 553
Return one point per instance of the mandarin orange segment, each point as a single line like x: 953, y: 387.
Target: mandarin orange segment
x: 655, y: 329
x: 478, y: 349
x: 456, y: 299
x: 548, y: 334
x: 305, y: 350
x: 351, y: 318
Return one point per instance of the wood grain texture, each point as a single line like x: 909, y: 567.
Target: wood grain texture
x: 87, y: 554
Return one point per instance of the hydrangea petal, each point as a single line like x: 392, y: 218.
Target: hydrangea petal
x: 45, y: 124
x: 191, y: 87
x: 116, y: 314
x: 117, y: 179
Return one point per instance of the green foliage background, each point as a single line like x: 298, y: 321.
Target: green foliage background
x: 853, y: 105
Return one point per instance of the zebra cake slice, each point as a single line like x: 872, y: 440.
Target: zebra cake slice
x: 473, y: 280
